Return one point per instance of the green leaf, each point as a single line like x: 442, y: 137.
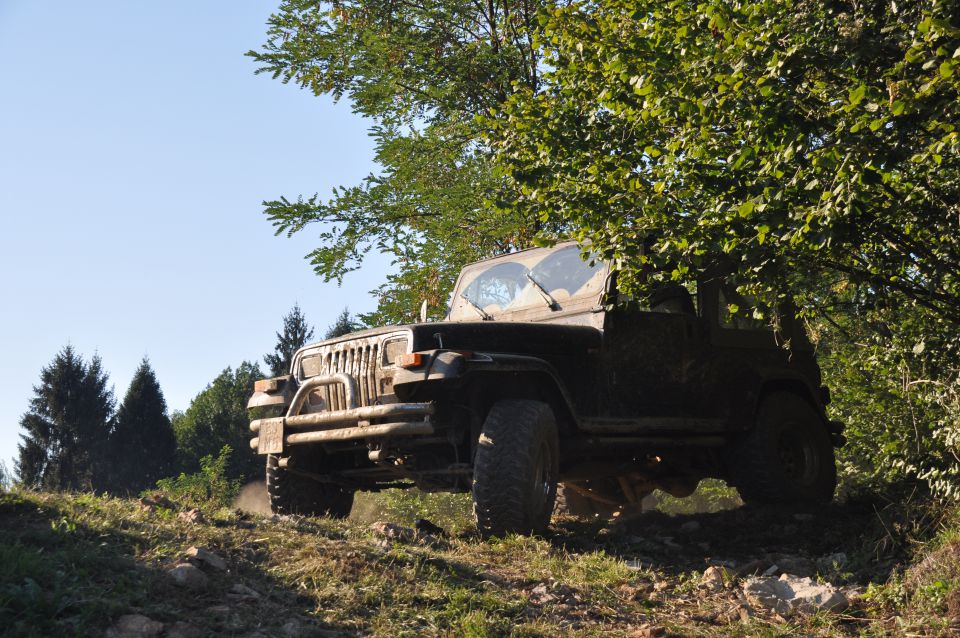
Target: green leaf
x: 856, y: 95
x: 946, y: 69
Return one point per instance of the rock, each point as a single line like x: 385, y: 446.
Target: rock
x: 152, y: 501
x: 790, y: 594
x: 392, y: 531
x: 218, y: 610
x: 690, y: 527
x: 134, y: 626
x: 187, y: 575
x: 207, y: 557
x: 648, y: 631
x: 423, y: 526
x: 796, y: 565
x: 181, y: 629
x: 541, y: 594
x: 292, y: 629
x: 243, y: 592
x: 753, y: 567
x: 716, y: 578
x: 192, y: 516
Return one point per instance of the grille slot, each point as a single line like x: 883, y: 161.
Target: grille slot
x: 360, y: 360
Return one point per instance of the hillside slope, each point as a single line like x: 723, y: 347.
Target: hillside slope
x: 86, y: 565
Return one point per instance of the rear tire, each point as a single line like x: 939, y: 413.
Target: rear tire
x: 290, y: 493
x: 787, y: 457
x: 515, y: 469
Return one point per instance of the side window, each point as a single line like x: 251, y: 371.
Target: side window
x: 737, y: 311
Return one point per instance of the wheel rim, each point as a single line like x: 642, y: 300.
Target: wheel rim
x: 798, y: 456
x: 542, y: 478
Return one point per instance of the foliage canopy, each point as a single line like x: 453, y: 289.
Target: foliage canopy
x: 421, y: 72
x: 217, y: 417
x: 785, y: 140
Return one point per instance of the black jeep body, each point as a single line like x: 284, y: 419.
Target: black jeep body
x: 542, y: 375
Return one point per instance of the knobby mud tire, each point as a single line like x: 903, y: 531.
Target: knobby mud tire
x: 515, y: 469
x: 787, y: 458
x: 293, y: 494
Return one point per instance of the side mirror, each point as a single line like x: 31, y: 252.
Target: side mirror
x: 423, y: 312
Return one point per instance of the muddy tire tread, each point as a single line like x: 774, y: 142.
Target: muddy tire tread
x: 501, y: 468
x: 292, y: 494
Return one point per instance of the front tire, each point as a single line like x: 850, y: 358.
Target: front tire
x: 515, y: 469
x: 787, y: 457
x: 290, y: 493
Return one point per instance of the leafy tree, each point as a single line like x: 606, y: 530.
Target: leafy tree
x: 295, y: 334
x: 63, y: 446
x: 142, y: 444
x: 421, y: 72
x: 812, y: 147
x: 218, y: 417
x: 344, y: 325
x: 802, y: 143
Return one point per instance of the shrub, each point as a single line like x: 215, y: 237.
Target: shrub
x: 208, y: 488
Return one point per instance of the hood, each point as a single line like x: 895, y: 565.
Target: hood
x: 487, y: 336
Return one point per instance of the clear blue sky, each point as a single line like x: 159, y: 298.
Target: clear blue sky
x: 136, y: 145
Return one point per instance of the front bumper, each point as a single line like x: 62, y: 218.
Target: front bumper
x: 374, y: 422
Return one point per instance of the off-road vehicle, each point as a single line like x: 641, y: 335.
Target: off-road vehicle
x: 543, y: 374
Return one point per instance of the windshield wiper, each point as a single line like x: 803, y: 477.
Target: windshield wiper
x: 480, y: 311
x: 543, y: 293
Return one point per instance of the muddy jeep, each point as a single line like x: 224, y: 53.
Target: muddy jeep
x: 543, y: 375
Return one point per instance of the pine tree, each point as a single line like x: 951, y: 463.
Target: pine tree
x: 67, y: 425
x: 344, y: 325
x: 142, y: 443
x: 295, y: 334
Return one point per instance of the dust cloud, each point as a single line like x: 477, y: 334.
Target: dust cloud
x: 253, y: 499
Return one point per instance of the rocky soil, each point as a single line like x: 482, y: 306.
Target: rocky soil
x: 81, y: 565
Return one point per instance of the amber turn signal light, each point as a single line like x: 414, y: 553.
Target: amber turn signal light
x: 265, y: 385
x: 411, y: 360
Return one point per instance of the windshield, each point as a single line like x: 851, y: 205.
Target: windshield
x: 547, y: 279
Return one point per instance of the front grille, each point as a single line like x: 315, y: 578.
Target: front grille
x: 360, y: 359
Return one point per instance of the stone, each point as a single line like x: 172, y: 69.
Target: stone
x: 134, y: 626
x: 791, y: 594
x: 241, y: 591
x: 207, y: 557
x: 392, y: 531
x: 716, y: 578
x: 187, y: 575
x: 152, y: 501
x: 429, y: 528
x: 690, y: 527
x: 796, y: 565
x: 541, y: 594
x: 192, y: 516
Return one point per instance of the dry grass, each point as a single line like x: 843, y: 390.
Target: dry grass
x: 72, y: 564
